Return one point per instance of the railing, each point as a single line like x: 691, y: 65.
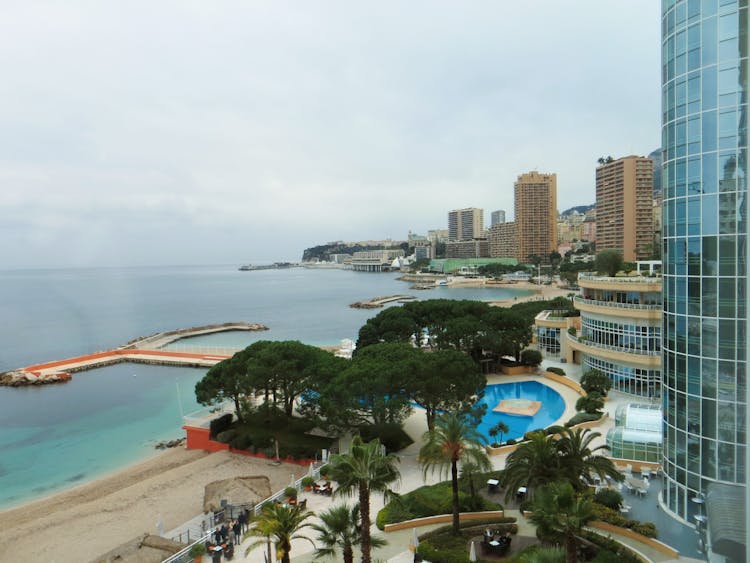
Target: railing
x: 625, y: 279
x: 615, y: 304
x: 584, y: 341
x: 202, y: 417
x: 183, y: 556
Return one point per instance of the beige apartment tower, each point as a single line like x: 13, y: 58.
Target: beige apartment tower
x: 536, y: 215
x: 465, y: 224
x: 624, y: 207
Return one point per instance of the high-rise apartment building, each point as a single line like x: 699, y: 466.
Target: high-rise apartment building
x: 624, y: 207
x: 497, y: 217
x: 705, y: 255
x: 503, y: 240
x: 536, y: 215
x: 465, y: 224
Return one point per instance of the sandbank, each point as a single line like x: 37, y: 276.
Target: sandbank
x: 89, y: 520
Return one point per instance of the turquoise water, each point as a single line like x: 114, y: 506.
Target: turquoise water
x: 552, y: 409
x: 55, y: 436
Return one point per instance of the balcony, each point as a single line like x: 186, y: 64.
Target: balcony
x: 616, y: 305
x: 645, y: 358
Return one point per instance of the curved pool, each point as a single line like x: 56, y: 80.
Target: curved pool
x: 553, y: 406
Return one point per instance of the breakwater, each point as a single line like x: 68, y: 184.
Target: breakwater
x: 377, y: 302
x: 144, y: 350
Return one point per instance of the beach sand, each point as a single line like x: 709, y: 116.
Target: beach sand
x: 89, y: 520
x: 541, y: 292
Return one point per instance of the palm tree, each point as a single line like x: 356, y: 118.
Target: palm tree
x: 580, y: 460
x: 340, y: 530
x: 499, y: 428
x: 364, y: 469
x: 534, y: 463
x: 280, y: 523
x: 453, y: 440
x: 560, y: 511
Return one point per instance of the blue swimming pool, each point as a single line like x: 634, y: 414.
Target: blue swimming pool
x: 553, y: 406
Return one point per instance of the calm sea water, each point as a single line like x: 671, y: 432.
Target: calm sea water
x: 56, y: 436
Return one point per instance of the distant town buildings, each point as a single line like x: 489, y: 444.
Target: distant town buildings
x: 535, y: 209
x: 497, y: 217
x: 375, y: 260
x: 624, y: 207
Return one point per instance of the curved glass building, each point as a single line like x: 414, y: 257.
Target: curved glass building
x: 704, y: 181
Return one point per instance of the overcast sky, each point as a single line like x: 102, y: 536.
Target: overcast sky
x: 209, y: 132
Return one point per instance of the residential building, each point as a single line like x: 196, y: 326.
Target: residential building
x: 497, y: 217
x: 437, y: 236
x: 536, y: 215
x: 620, y: 330
x: 705, y: 254
x: 624, y: 196
x: 465, y: 224
x: 473, y: 248
x: 503, y: 240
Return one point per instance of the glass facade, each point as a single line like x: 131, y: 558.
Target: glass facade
x: 626, y: 378
x: 704, y: 182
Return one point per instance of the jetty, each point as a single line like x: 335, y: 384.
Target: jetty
x: 144, y: 350
x: 377, y: 302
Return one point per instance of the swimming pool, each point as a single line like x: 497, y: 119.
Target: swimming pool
x: 553, y: 406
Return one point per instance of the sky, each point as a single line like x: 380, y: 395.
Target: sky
x: 193, y: 132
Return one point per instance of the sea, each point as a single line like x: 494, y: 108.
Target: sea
x: 56, y: 436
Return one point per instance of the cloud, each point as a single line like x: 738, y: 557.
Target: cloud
x: 231, y: 131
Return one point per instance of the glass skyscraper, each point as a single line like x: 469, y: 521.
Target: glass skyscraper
x: 705, y: 344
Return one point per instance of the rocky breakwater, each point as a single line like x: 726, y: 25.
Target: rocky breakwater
x: 21, y: 378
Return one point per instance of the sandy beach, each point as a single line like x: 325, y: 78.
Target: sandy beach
x: 89, y: 520
x: 541, y: 292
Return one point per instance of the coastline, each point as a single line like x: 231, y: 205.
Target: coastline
x: 90, y: 519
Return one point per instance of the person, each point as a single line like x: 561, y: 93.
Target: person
x: 224, y: 532
x: 241, y: 520
x: 237, y: 528
x: 217, y: 536
x: 231, y: 531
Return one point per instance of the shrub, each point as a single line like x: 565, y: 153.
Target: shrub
x: 556, y: 371
x: 531, y: 357
x: 325, y: 470
x: 510, y: 442
x: 307, y: 481
x: 290, y: 492
x: 647, y: 529
x: 197, y: 550
x: 582, y: 417
x: 429, y: 501
x: 218, y: 425
x: 609, y: 498
x: 391, y: 435
x: 226, y: 436
x: 595, y: 381
x: 592, y: 403
x: 572, y: 331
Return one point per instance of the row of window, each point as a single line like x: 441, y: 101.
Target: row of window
x: 626, y: 336
x: 625, y: 297
x: 714, y: 214
x: 698, y: 376
x: 627, y: 379
x: 705, y: 336
x: 706, y: 256
x: 707, y: 173
x: 703, y: 43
